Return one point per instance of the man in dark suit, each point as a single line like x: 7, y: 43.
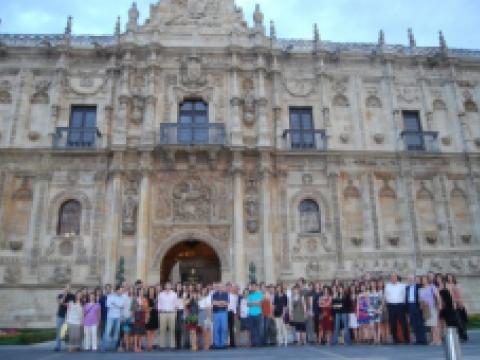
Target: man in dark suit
x: 414, y: 311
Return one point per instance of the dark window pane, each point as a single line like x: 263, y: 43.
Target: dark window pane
x: 69, y: 218
x: 309, y: 217
x: 90, y: 119
x: 201, y: 119
x: 77, y: 119
x: 294, y: 120
x: 185, y: 119
x: 200, y: 106
x: 187, y: 105
x: 411, y: 121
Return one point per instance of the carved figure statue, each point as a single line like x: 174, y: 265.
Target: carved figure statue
x: 130, y: 215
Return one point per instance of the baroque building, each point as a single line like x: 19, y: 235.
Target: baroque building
x: 194, y: 147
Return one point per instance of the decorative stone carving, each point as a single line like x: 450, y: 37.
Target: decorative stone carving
x: 446, y: 140
x: 344, y: 138
x: 477, y: 142
x: 86, y: 83
x: 474, y: 263
x: 130, y: 207
x: 192, y: 201
x: 138, y: 106
x: 248, y: 102
x: 456, y: 264
x: 251, y: 205
x: 431, y: 239
x: 439, y: 105
x: 351, y: 191
x: 40, y: 96
x: 408, y: 94
x: 379, y: 138
x: 386, y: 191
x: 192, y: 73
x: 313, y: 268
x: 13, y: 274
x: 62, y: 274
x: 307, y: 179
x: 373, y: 102
x: 65, y: 247
x: 299, y: 87
x: 15, y: 245
x: 5, y: 92
x: 466, y: 239
x: 356, y: 241
x: 34, y: 135
x: 340, y: 100
x: 394, y: 241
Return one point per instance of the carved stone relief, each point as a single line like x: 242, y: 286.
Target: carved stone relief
x: 40, y: 96
x: 86, y: 83
x: 192, y: 201
x: 408, y: 94
x: 130, y: 207
x: 192, y: 73
x: 138, y: 106
x: 12, y: 274
x: 251, y: 205
x: 299, y: 87
x: 5, y: 92
x: 249, y: 106
x: 62, y: 274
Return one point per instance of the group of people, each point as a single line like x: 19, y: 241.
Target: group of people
x: 192, y: 316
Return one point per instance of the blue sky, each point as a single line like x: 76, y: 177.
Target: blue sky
x: 339, y: 20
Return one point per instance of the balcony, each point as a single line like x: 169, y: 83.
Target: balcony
x: 188, y: 134
x: 422, y: 141
x: 305, y: 140
x: 76, y: 138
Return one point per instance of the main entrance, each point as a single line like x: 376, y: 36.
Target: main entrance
x: 191, y: 261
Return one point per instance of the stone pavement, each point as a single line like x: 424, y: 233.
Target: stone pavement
x: 471, y: 351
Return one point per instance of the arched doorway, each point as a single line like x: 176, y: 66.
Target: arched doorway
x: 191, y: 261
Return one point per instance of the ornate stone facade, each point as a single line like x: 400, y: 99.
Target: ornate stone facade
x: 150, y: 181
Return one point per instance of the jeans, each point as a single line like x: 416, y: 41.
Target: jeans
x: 220, y: 329
x: 58, y: 340
x: 416, y: 321
x: 255, y: 330
x: 111, y: 335
x: 341, y: 318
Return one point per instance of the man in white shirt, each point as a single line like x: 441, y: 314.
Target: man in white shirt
x: 115, y: 306
x: 395, y: 295
x: 232, y: 312
x: 167, y: 311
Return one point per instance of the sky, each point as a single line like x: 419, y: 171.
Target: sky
x: 338, y: 20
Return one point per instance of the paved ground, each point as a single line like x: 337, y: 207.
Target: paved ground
x: 471, y: 351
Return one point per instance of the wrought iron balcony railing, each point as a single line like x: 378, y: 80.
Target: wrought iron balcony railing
x: 424, y: 141
x: 192, y: 134
x: 305, y: 140
x: 76, y: 138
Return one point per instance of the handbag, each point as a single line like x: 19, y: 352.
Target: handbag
x: 63, y: 331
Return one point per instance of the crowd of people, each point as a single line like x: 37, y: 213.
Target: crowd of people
x: 192, y: 316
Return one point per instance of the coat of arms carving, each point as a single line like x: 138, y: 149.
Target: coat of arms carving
x: 192, y: 72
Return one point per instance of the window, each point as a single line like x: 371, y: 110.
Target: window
x: 302, y: 131
x: 83, y: 126
x: 193, y: 122
x: 69, y: 218
x: 309, y: 217
x: 413, y: 134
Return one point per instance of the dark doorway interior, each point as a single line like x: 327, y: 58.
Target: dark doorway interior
x: 191, y: 262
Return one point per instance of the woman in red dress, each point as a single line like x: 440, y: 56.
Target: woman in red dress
x: 326, y: 316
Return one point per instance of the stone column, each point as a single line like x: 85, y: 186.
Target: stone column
x: 143, y: 218
x: 407, y: 183
x: 148, y: 131
x: 239, y: 266
x: 333, y: 184
x: 236, y: 103
x: 37, y: 217
x: 261, y: 105
x: 266, y: 234
x: 373, y: 210
x: 113, y: 223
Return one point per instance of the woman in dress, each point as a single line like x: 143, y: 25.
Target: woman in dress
x: 363, y: 313
x: 375, y: 311
x: 205, y: 318
x: 448, y: 317
x: 326, y: 317
x: 74, y: 321
x: 152, y: 324
x: 191, y: 318
x: 430, y: 299
x: 299, y: 310
x: 141, y: 314
x: 459, y: 306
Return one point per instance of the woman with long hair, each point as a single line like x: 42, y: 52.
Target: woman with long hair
x: 191, y: 318
x: 326, y: 317
x: 459, y: 306
x: 205, y: 318
x: 74, y: 321
x: 141, y: 314
x: 363, y: 314
x: 448, y: 317
x: 383, y: 325
x: 375, y: 311
x: 352, y: 316
x: 91, y: 320
x: 152, y: 324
